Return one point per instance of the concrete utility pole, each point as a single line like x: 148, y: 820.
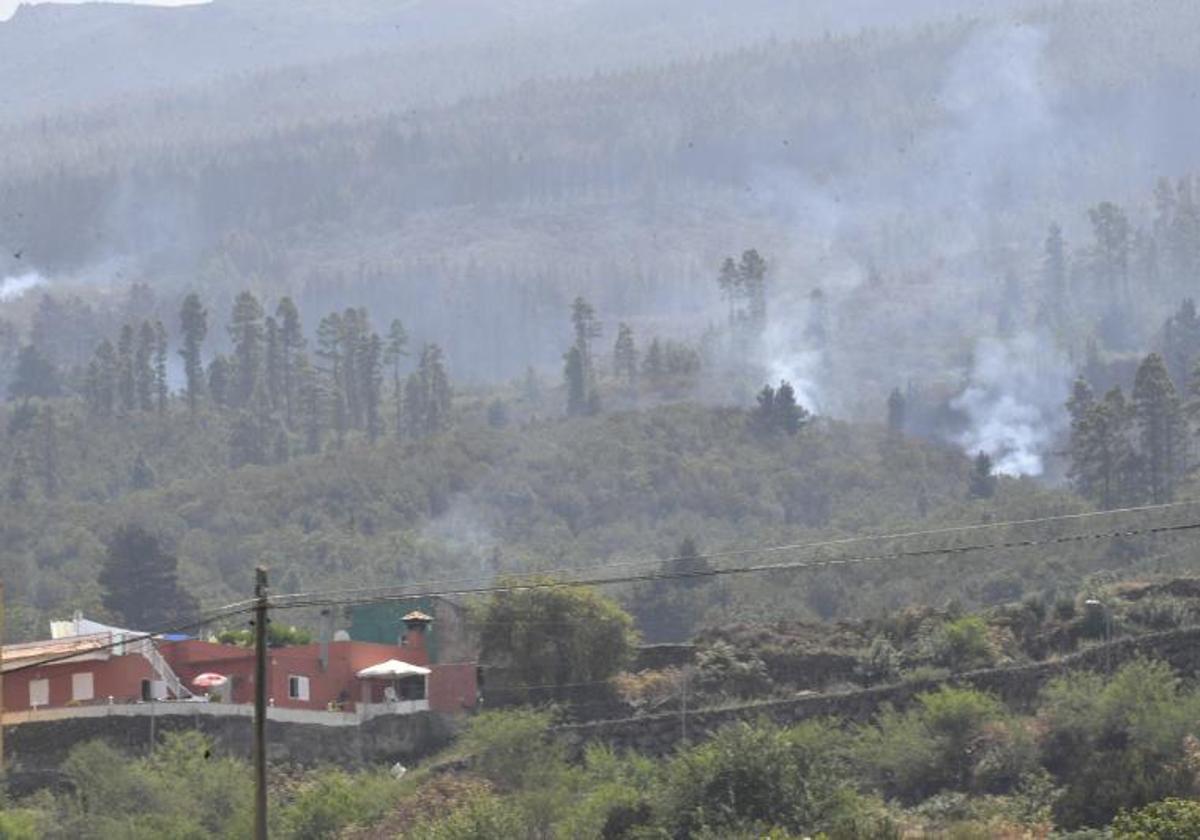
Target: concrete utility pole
x: 260, y: 704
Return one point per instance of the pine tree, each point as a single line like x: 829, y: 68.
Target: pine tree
x: 437, y: 388
x: 330, y: 335
x: 587, y: 329
x: 897, y: 407
x: 1160, y: 426
x: 372, y: 371
x: 788, y: 415
x: 1081, y: 408
x: 127, y: 381
x: 1104, y: 466
x: 983, y: 481
x: 161, y: 388
x: 140, y: 582
x: 625, y: 357
x: 729, y: 281
x: 576, y: 381
x: 309, y: 399
x: 752, y: 271
x: 35, y: 375
x: 220, y: 380
x: 246, y: 333
x: 291, y: 346
x: 143, y: 367
x: 353, y: 339
x: 273, y: 371
x: 395, y: 350
x: 763, y: 418
x: 414, y: 405
x: 102, y: 380
x: 193, y: 319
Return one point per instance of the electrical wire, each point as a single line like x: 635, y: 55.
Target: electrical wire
x: 518, y: 586
x: 222, y: 614
x: 420, y: 588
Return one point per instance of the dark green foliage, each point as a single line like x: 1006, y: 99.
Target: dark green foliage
x: 936, y: 744
x: 1170, y: 819
x: 625, y: 357
x: 140, y: 581
x: 1160, y: 426
x: 193, y: 322
x: 554, y: 635
x: 777, y: 411
x: 758, y: 777
x: 34, y: 376
x: 246, y: 334
x: 575, y: 377
x: 1119, y: 743
x: 983, y: 480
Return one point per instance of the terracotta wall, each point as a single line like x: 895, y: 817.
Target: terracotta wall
x: 118, y: 676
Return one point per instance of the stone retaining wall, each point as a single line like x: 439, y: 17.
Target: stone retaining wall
x: 1018, y: 686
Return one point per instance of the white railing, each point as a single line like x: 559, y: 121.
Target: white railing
x: 366, y: 711
x: 165, y: 673
x: 194, y: 709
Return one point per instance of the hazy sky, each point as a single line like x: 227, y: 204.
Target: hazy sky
x: 7, y: 7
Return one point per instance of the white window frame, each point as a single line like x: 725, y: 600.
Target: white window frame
x: 298, y: 687
x: 39, y: 693
x: 83, y: 686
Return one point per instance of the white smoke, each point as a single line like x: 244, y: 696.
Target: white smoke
x: 1014, y: 402
x: 13, y: 287
x: 789, y: 357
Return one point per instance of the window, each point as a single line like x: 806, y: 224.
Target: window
x: 298, y: 688
x: 83, y: 686
x: 39, y: 693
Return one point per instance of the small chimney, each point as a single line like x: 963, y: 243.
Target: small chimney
x: 326, y: 633
x: 415, y: 625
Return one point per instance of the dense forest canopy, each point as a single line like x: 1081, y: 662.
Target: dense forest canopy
x: 834, y: 279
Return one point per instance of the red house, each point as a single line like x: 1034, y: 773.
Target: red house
x: 85, y: 663
x: 334, y: 674
x: 337, y: 674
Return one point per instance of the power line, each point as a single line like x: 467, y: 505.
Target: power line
x: 314, y: 599
x: 421, y: 588
x: 223, y: 613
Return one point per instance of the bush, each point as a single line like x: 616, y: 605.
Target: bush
x: 759, y: 777
x: 1117, y: 744
x: 963, y: 644
x: 1170, y: 819
x: 933, y: 746
x: 513, y: 749
x: 485, y: 817
x: 335, y: 800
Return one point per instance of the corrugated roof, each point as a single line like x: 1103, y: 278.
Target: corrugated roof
x: 87, y: 647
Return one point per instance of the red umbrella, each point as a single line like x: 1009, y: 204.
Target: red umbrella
x: 210, y: 680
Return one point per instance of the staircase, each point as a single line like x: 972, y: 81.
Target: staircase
x: 164, y: 672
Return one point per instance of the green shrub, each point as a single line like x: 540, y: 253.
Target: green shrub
x: 933, y: 746
x: 759, y: 777
x: 1170, y: 819
x: 485, y: 817
x: 336, y: 799
x: 1119, y: 743
x: 513, y: 749
x: 963, y: 644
